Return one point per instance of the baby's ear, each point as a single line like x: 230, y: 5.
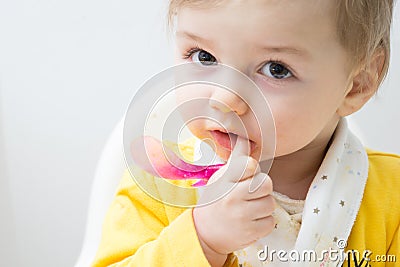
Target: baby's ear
x: 363, y: 85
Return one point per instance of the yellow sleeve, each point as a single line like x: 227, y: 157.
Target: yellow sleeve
x: 394, y: 250
x: 141, y: 231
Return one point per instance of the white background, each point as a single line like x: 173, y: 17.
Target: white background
x: 68, y: 69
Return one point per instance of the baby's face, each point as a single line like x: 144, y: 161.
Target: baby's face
x: 288, y: 48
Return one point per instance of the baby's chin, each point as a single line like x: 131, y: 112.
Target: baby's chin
x: 223, y: 154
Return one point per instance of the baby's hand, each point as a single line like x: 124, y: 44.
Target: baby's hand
x: 242, y: 216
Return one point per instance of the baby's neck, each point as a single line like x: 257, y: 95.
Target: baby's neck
x: 292, y: 174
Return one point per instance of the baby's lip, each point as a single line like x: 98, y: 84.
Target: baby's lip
x: 228, y: 139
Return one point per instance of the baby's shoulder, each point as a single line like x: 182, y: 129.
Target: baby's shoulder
x: 384, y: 175
x: 384, y: 164
x: 380, y: 207
x: 380, y: 154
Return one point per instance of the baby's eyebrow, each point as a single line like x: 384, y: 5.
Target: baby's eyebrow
x: 286, y: 50
x: 185, y: 34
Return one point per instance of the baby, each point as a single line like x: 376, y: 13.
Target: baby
x: 316, y: 62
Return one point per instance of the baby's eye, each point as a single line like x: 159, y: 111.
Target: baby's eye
x: 276, y: 70
x: 203, y: 57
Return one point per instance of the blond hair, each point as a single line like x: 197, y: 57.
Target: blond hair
x: 363, y: 27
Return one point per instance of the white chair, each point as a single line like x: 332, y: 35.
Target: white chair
x: 110, y: 168
x: 109, y: 171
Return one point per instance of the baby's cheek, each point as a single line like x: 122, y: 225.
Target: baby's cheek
x: 287, y: 137
x: 180, y: 96
x: 193, y: 92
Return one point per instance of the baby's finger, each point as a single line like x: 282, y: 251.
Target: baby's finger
x: 241, y: 148
x: 257, y: 182
x: 217, y: 175
x: 261, y: 207
x: 263, y: 186
x: 263, y: 226
x: 237, y: 169
x: 246, y: 166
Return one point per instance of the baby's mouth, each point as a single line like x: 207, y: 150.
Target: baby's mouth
x: 228, y: 140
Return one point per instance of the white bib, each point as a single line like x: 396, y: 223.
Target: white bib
x: 330, y: 209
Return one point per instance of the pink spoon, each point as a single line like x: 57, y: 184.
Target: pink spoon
x: 156, y: 159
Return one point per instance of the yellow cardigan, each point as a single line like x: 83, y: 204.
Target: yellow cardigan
x: 140, y: 231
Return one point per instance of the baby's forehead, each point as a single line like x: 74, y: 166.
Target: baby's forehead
x: 319, y: 6
x: 261, y: 13
x: 270, y: 21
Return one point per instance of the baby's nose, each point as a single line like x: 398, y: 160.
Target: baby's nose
x: 227, y: 101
